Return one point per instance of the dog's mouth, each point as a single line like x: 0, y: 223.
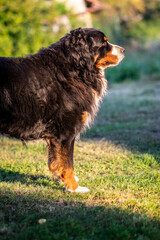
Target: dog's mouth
x: 113, y: 58
x: 119, y: 52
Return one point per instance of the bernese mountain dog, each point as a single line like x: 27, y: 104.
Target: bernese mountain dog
x: 55, y: 94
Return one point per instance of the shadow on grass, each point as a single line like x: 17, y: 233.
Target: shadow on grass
x: 28, y: 179
x: 19, y: 217
x: 129, y: 116
x: 134, y: 142
x: 134, y: 138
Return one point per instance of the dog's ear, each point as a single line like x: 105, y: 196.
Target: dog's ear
x: 78, y: 49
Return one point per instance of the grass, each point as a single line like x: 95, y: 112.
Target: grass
x: 117, y: 159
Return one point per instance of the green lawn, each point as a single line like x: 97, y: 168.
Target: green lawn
x: 117, y: 159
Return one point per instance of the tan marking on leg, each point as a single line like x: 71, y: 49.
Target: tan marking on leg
x: 60, y: 162
x: 69, y: 179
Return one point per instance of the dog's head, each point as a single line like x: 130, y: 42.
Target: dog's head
x: 90, y: 47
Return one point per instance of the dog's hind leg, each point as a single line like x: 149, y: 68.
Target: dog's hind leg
x: 60, y: 162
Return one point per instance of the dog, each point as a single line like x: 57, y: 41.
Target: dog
x: 55, y: 94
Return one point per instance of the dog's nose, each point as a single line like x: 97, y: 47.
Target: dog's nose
x: 122, y: 50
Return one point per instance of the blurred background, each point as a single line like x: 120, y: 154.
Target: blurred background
x: 28, y: 25
x: 118, y: 158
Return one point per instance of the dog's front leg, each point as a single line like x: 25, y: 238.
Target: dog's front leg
x: 60, y: 162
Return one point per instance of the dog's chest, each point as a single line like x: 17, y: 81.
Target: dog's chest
x: 88, y: 117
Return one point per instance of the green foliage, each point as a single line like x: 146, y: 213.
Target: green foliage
x: 132, y: 19
x: 26, y: 25
x: 128, y: 70
x: 145, y: 30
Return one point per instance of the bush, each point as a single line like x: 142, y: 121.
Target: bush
x: 127, y: 70
x: 153, y: 60
x: 26, y: 26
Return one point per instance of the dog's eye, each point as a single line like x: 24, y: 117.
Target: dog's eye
x: 94, y: 48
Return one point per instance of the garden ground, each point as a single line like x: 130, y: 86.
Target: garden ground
x: 117, y: 159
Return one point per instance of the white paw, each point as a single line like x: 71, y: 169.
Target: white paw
x: 82, y: 189
x: 76, y: 178
x: 79, y: 190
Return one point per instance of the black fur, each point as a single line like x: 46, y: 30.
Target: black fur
x: 44, y: 95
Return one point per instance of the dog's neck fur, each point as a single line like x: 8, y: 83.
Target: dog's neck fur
x: 97, y: 98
